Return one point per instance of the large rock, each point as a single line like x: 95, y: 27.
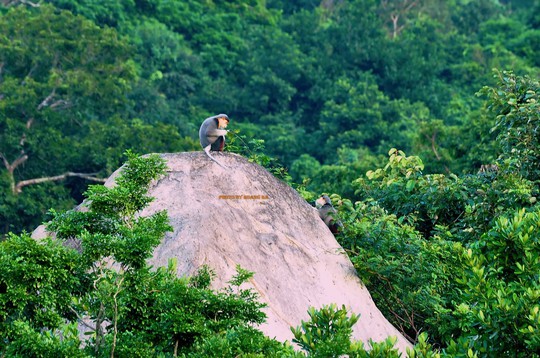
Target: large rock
x: 244, y: 216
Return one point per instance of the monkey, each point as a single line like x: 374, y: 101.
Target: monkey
x: 212, y: 134
x: 488, y: 168
x: 328, y: 214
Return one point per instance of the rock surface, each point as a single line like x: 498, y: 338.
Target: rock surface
x: 245, y: 216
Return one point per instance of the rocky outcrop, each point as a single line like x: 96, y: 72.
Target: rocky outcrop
x: 244, y: 216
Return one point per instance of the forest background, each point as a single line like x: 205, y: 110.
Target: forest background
x: 328, y: 89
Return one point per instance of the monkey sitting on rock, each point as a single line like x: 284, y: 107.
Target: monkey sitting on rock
x: 328, y: 214
x: 212, y: 134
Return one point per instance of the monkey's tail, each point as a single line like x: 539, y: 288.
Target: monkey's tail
x: 207, y: 151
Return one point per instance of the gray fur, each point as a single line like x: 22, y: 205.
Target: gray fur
x: 328, y: 214
x: 211, y: 137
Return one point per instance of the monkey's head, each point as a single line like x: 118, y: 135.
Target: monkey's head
x: 223, y: 121
x: 324, y: 199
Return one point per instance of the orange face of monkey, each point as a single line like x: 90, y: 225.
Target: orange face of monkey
x: 222, y: 122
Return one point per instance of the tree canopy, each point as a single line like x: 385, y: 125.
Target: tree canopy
x: 80, y: 81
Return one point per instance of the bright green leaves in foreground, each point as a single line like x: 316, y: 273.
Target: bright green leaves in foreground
x: 36, y: 279
x: 327, y: 333
x: 110, y: 227
x: 472, y: 297
x: 499, y: 313
x: 458, y: 256
x: 128, y: 309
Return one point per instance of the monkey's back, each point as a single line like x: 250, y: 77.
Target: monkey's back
x: 209, y: 124
x: 327, y: 214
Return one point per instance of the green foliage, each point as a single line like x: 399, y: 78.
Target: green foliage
x: 131, y: 309
x: 254, y: 150
x: 409, y: 278
x: 110, y: 227
x: 394, y: 187
x: 356, y: 113
x: 413, y: 64
x: 64, y: 107
x: 111, y: 234
x: 25, y: 341
x: 103, y: 14
x: 178, y: 315
x: 498, y: 310
x: 337, y: 177
x: 423, y: 349
x: 515, y: 102
x: 35, y: 281
x: 77, y: 64
x: 479, y: 290
x: 327, y: 333
x: 242, y: 275
x: 308, y: 79
x: 58, y: 71
x: 243, y: 342
x: 464, y: 205
x: 327, y: 87
x: 29, y: 208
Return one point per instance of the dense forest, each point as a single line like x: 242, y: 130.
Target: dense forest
x: 419, y: 117
x: 329, y: 87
